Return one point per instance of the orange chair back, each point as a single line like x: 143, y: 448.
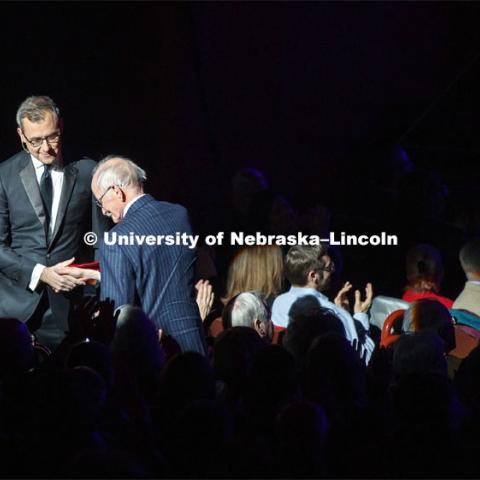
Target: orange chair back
x: 387, y: 337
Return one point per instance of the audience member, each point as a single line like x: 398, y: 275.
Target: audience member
x: 308, y: 320
x: 119, y: 399
x: 16, y: 349
x: 233, y: 354
x: 469, y: 299
x: 300, y: 438
x: 421, y: 352
x: 257, y: 267
x: 248, y: 309
x: 308, y: 269
x: 430, y: 315
x: 271, y: 214
x: 424, y: 275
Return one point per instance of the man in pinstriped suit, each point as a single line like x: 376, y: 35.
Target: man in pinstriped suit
x: 158, y: 278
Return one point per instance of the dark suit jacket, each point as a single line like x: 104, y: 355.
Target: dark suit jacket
x: 23, y: 242
x: 159, y: 278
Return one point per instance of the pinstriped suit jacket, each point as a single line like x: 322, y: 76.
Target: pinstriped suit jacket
x: 158, y: 278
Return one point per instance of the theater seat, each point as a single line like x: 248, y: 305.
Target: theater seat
x: 392, y: 328
x: 277, y: 334
x: 383, y: 306
x: 467, y: 332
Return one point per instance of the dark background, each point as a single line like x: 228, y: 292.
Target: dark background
x: 193, y: 91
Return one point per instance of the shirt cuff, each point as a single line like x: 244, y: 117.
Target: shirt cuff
x: 363, y: 319
x: 35, y: 278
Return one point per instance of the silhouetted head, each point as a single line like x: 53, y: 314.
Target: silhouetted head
x: 424, y: 268
x: 421, y: 352
x: 308, y: 320
x: 328, y: 355
x: 16, y: 348
x: 301, y: 432
x: 430, y: 315
x: 95, y: 355
x: 187, y: 377
x: 470, y: 259
x: 136, y: 349
x: 271, y: 213
x: 233, y: 354
x: 246, y: 182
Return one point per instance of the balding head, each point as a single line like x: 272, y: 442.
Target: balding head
x: 116, y: 181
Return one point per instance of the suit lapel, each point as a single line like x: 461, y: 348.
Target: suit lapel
x: 69, y: 178
x: 29, y: 180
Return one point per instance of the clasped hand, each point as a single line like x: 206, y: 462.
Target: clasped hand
x: 63, y: 278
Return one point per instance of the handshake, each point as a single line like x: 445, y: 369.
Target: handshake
x: 64, y: 278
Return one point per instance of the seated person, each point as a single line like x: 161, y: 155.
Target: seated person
x: 469, y: 299
x: 424, y: 275
x: 309, y: 269
x: 431, y: 315
x: 248, y: 309
x: 308, y: 320
x: 255, y: 267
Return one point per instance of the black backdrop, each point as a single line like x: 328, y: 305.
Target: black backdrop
x: 192, y: 91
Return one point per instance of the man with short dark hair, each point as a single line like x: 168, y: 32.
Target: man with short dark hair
x: 309, y: 269
x: 45, y: 209
x: 469, y: 298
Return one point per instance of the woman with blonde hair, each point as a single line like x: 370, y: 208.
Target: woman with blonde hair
x: 256, y: 267
x: 252, y: 268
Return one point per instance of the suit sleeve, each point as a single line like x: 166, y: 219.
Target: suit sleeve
x: 16, y: 267
x: 117, y: 276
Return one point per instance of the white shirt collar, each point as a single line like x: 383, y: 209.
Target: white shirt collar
x: 38, y: 164
x: 130, y: 203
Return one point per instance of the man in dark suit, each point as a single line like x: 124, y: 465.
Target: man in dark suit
x: 158, y: 278
x: 45, y: 209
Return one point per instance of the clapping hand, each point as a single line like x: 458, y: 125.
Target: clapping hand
x: 341, y: 300
x: 204, y: 298
x: 362, y: 306
x: 93, y: 319
x: 105, y: 321
x: 80, y: 317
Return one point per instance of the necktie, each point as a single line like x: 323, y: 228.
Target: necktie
x: 46, y: 190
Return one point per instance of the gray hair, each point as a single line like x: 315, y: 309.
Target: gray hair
x: 122, y: 173
x: 34, y: 109
x: 248, y: 307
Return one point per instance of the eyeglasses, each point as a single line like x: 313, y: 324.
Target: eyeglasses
x: 52, y: 139
x: 330, y: 268
x: 99, y: 201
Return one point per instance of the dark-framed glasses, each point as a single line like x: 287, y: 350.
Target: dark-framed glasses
x: 36, y: 142
x: 99, y: 201
x: 330, y: 268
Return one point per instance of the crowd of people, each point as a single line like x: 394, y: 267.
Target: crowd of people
x: 252, y: 362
